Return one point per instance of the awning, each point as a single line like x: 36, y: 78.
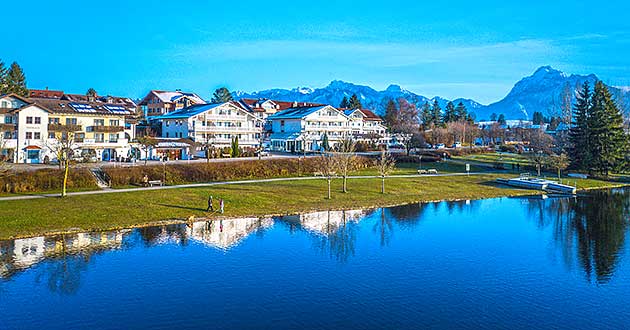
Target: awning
x: 32, y: 148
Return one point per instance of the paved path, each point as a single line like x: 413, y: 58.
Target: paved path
x: 219, y: 183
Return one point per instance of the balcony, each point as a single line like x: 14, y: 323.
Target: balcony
x: 7, y: 127
x: 64, y: 128
x: 105, y: 129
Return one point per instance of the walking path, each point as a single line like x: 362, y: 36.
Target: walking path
x: 220, y: 183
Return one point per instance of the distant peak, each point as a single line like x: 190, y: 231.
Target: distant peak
x: 394, y: 89
x: 547, y: 69
x: 338, y: 84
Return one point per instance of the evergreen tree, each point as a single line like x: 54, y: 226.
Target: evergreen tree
x: 3, y: 78
x: 354, y: 102
x: 579, y: 149
x: 608, y: 141
x: 426, y: 115
x: 501, y: 119
x: 461, y: 113
x: 436, y: 113
x: 16, y: 81
x: 450, y: 115
x: 221, y: 95
x: 538, y: 118
x: 91, y: 92
x: 391, y: 114
x: 325, y: 144
x: 493, y: 117
x: 344, y: 103
x: 236, y: 151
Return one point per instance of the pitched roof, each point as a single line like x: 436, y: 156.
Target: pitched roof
x: 84, y: 108
x: 190, y: 111
x: 256, y: 104
x: 169, y: 97
x: 298, y: 112
x: 45, y: 93
x: 369, y: 115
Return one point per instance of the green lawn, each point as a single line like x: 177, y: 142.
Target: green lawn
x: 129, y: 209
x: 491, y: 158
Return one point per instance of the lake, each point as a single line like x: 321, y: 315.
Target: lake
x: 506, y: 263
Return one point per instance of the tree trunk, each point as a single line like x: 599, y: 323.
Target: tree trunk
x: 382, y: 184
x: 329, y: 179
x: 345, y: 179
x: 559, y: 178
x: 65, y: 177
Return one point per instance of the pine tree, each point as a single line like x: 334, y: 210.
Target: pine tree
x: 221, y: 95
x: 436, y: 114
x: 578, y: 134
x: 501, y: 120
x: 16, y: 81
x: 427, y: 115
x: 91, y: 92
x: 344, y: 103
x: 3, y: 78
x: 450, y: 114
x: 608, y: 141
x: 325, y: 145
x: 391, y: 114
x: 354, y: 102
x: 538, y: 118
x: 461, y: 113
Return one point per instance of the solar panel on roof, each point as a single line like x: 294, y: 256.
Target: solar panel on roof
x: 79, y: 107
x: 119, y: 109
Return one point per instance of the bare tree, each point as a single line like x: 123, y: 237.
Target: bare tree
x: 146, y: 142
x: 539, y: 159
x: 207, y: 143
x: 346, y: 160
x: 63, y: 147
x: 385, y: 165
x: 566, y: 104
x: 6, y: 167
x: 326, y: 166
x: 558, y: 162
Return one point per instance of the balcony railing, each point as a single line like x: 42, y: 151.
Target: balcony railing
x: 105, y: 129
x: 5, y: 127
x: 64, y: 128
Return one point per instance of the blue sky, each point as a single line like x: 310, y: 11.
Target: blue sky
x: 472, y: 49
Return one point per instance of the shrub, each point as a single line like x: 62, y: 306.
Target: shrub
x: 46, y: 180
x: 218, y: 171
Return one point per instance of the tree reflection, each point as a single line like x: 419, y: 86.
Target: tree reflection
x: 384, y: 228
x: 63, y: 275
x: 408, y: 216
x: 592, y: 229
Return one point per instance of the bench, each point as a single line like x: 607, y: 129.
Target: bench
x: 155, y: 183
x: 428, y: 171
x: 226, y: 156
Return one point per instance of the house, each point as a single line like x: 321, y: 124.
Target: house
x: 303, y: 128
x: 217, y: 124
x: 158, y: 103
x: 367, y: 126
x: 99, y: 128
x: 24, y: 129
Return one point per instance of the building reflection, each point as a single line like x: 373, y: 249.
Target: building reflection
x: 20, y: 254
x: 225, y: 234
x: 590, y: 232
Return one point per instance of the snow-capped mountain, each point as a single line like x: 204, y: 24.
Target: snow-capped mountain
x: 337, y: 90
x: 540, y: 92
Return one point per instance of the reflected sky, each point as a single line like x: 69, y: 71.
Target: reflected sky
x: 503, y: 262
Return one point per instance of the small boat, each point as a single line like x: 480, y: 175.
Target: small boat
x: 561, y: 188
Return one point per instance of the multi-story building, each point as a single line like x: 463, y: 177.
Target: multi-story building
x: 366, y: 125
x: 157, y: 103
x: 24, y: 129
x: 304, y: 127
x: 214, y: 123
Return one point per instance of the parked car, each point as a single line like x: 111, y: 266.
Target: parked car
x: 457, y: 145
x: 262, y: 153
x: 440, y: 146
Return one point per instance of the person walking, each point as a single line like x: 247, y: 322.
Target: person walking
x: 221, y: 205
x: 210, y: 206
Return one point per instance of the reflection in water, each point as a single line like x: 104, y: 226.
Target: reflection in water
x: 589, y: 230
x: 332, y: 231
x: 224, y: 234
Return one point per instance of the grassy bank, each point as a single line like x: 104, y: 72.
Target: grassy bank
x: 129, y: 209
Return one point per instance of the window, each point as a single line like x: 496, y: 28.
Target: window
x: 32, y: 154
x: 29, y: 135
x: 29, y: 120
x: 38, y: 120
x: 114, y: 122
x: 38, y: 136
x: 53, y: 121
x: 113, y: 138
x: 51, y: 135
x: 99, y: 137
x: 71, y: 121
x: 99, y: 122
x: 8, y: 120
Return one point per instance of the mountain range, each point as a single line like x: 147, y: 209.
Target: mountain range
x: 541, y: 92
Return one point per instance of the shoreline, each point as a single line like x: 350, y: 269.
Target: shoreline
x: 177, y: 221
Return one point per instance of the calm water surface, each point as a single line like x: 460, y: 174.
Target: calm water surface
x: 508, y: 263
